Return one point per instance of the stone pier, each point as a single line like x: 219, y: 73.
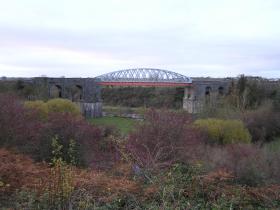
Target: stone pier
x: 204, y: 91
x: 91, y: 110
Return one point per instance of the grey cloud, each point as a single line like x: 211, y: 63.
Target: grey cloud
x: 175, y: 48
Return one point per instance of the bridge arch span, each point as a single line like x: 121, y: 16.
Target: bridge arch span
x: 144, y: 77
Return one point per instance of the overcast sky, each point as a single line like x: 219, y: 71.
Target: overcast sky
x: 86, y: 38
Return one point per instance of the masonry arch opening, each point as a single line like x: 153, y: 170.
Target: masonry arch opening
x: 55, y: 91
x: 77, y: 93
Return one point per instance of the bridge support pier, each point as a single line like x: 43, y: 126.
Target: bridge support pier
x: 90, y: 110
x: 190, y: 102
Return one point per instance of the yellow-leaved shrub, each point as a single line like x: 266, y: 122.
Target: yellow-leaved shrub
x: 40, y: 106
x: 53, y: 106
x: 224, y: 131
x: 63, y: 106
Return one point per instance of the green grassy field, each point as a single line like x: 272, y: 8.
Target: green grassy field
x: 125, y: 125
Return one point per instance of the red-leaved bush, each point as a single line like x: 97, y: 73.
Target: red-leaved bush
x: 163, y: 138
x: 18, y: 127
x: 23, y: 129
x: 66, y: 127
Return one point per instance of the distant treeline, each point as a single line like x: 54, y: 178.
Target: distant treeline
x: 251, y: 93
x: 157, y: 97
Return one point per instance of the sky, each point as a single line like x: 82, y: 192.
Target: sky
x: 87, y: 38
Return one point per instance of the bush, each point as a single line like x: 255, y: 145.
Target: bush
x: 247, y: 164
x: 24, y: 130
x: 40, y: 106
x: 224, y: 131
x: 164, y: 138
x: 66, y: 128
x: 63, y: 106
x: 250, y: 164
x: 263, y: 124
x: 53, y: 106
x: 19, y: 127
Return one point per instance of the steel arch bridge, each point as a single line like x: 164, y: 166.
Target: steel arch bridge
x: 144, y: 77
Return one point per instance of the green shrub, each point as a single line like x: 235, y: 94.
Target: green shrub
x: 63, y: 106
x: 39, y: 106
x: 225, y: 131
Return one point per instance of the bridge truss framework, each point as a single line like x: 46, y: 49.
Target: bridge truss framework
x: 144, y: 77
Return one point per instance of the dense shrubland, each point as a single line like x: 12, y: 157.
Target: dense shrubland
x: 24, y: 128
x: 165, y: 138
x: 226, y: 159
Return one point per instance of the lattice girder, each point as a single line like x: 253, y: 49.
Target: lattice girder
x: 146, y: 75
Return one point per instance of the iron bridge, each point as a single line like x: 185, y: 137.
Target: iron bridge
x: 144, y: 77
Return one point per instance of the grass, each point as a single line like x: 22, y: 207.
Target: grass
x: 125, y: 125
x: 274, y: 145
x: 117, y: 110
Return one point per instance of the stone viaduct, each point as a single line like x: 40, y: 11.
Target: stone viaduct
x: 86, y: 92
